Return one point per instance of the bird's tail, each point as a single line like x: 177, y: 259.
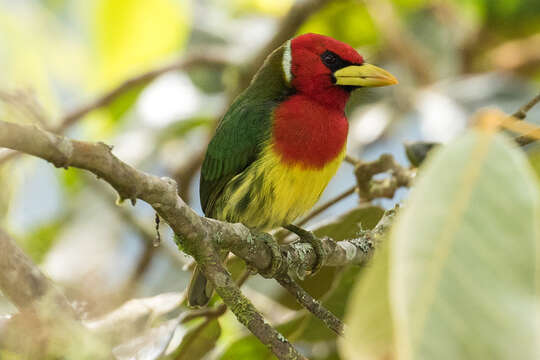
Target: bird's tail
x: 200, y: 289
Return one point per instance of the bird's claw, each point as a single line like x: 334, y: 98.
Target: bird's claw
x: 277, y: 258
x: 309, y: 237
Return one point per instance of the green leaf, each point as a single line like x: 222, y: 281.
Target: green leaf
x: 39, y: 241
x: 349, y: 224
x: 180, y: 128
x: 249, y: 347
x: 368, y: 317
x: 149, y: 346
x: 340, y: 20
x: 465, y: 253
x: 131, y: 37
x: 198, y: 341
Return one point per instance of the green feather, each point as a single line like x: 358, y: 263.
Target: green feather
x: 243, y: 130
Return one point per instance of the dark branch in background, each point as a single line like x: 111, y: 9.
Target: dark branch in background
x: 400, y: 41
x: 25, y: 102
x: 210, y: 57
x: 207, y: 58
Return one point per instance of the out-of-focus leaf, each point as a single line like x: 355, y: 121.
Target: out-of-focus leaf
x: 270, y: 7
x: 345, y: 226
x: 180, y: 128
x: 509, y: 18
x: 47, y: 330
x: 410, y: 4
x: 347, y: 21
x: 198, y: 341
x: 335, y: 301
x: 369, y: 322
x: 464, y: 255
x: 71, y: 181
x: 135, y: 316
x: 37, y: 54
x: 348, y: 225
x: 207, y: 79
x: 534, y: 159
x: 132, y: 36
x: 122, y: 103
x: 38, y: 242
x: 249, y: 347
x: 149, y: 346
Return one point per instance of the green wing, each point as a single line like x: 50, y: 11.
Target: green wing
x: 243, y: 130
x: 235, y: 145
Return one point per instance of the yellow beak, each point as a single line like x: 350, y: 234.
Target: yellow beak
x: 366, y: 75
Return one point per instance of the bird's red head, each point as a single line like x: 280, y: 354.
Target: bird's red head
x: 327, y: 70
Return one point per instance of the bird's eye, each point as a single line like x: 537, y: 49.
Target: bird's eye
x: 329, y: 58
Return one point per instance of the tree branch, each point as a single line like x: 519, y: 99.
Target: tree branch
x: 199, y: 236
x: 369, y: 189
x: 315, y: 307
x: 208, y: 58
x: 161, y: 194
x: 521, y: 114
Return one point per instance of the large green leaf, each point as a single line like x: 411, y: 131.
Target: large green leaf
x: 131, y: 37
x: 198, y: 341
x: 368, y: 318
x: 347, y: 21
x: 464, y: 256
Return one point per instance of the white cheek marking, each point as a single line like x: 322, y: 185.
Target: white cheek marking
x: 287, y: 62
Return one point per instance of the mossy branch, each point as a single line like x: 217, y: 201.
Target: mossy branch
x: 201, y: 237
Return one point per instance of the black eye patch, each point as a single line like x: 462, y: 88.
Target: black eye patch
x: 332, y: 61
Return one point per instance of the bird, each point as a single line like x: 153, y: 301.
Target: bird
x: 282, y: 139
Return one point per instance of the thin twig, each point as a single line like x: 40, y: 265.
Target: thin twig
x: 217, y: 311
x: 208, y: 58
x: 315, y: 307
x: 351, y: 159
x: 399, y: 39
x: 521, y: 114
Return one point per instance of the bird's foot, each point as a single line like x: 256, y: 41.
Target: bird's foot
x: 275, y: 249
x: 309, y: 237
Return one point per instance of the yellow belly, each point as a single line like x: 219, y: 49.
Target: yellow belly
x: 270, y: 193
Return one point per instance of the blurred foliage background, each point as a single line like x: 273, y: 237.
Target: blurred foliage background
x: 451, y: 57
